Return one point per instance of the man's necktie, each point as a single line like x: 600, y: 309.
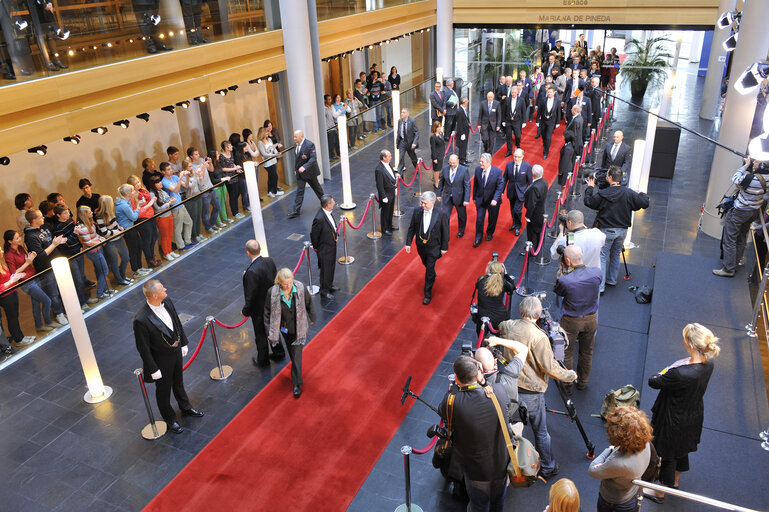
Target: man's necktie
x: 298, y: 147
x: 489, y: 108
x: 403, y: 130
x: 485, y: 175
x: 516, y: 169
x: 452, y: 174
x: 614, y: 151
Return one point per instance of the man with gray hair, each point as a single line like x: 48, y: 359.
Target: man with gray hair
x: 487, y: 192
x: 534, y: 200
x: 533, y: 380
x: 431, y: 227
x: 574, y: 232
x: 257, y: 280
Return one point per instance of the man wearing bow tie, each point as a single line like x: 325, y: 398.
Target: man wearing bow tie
x: 514, y: 111
x: 323, y: 236
x: 161, y: 343
x: 517, y: 180
x: 431, y: 228
x: 548, y: 117
x: 488, y: 187
x: 257, y: 280
x: 454, y: 190
x: 385, y: 187
x: 489, y: 120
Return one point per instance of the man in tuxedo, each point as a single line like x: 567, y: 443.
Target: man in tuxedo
x: 257, y: 279
x: 525, y: 92
x: 385, y: 187
x: 594, y: 94
x: 513, y: 119
x: 618, y: 154
x: 452, y: 104
x: 161, y: 343
x: 586, y: 111
x: 407, y: 141
x: 323, y: 236
x: 487, y: 192
x: 574, y: 128
x: 306, y: 171
x: 548, y: 117
x: 534, y: 200
x: 437, y: 104
x: 501, y: 91
x: 489, y: 120
x: 517, y: 180
x: 454, y: 190
x: 431, y: 227
x: 463, y: 129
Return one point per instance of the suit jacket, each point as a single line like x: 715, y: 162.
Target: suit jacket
x: 492, y: 120
x: 516, y: 184
x: 516, y: 115
x: 437, y: 104
x: 528, y: 89
x: 385, y: 183
x: 595, y: 105
x: 549, y: 117
x: 574, y: 131
x: 412, y: 133
x: 500, y: 93
x: 322, y: 235
x: 463, y: 124
x: 459, y: 189
x: 623, y: 159
x: 451, y: 104
x: 548, y: 70
x: 306, y: 158
x: 437, y: 147
x: 495, y: 185
x: 570, y: 87
x: 436, y: 239
x: 257, y: 279
x: 154, y: 339
x: 534, y: 200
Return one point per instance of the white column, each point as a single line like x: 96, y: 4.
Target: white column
x: 738, y: 111
x: 396, y: 98
x: 444, y: 35
x: 249, y: 169
x: 344, y: 161
x: 711, y: 95
x: 651, y: 131
x: 636, y: 172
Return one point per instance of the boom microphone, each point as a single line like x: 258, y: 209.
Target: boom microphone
x: 406, y: 390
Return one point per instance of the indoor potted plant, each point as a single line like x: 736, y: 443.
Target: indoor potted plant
x: 645, y: 65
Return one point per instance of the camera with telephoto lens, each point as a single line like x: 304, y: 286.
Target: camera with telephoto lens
x: 437, y: 430
x: 599, y: 175
x: 552, y: 329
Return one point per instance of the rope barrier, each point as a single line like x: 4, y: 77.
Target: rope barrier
x: 477, y: 128
x: 430, y: 446
x: 492, y: 330
x: 480, y: 336
x: 414, y: 177
x: 452, y: 139
x: 231, y: 326
x: 541, y: 240
x: 197, y: 349
x: 428, y: 168
x: 523, y: 271
x: 555, y: 215
x: 299, y: 264
x: 368, y: 206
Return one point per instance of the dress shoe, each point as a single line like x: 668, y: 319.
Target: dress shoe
x: 160, y: 45
x: 193, y: 42
x: 508, y: 154
x: 477, y: 242
x: 280, y: 356
x: 544, y: 157
x: 60, y: 64
x: 192, y: 412
x: 297, y: 391
x: 293, y: 215
x: 489, y: 237
x: 334, y: 288
x: 580, y: 385
x: 395, y: 228
x: 387, y: 232
x: 203, y: 40
x: 326, y: 295
x: 150, y: 46
x: 536, y: 136
x: 517, y: 231
x: 175, y: 427
x: 52, y: 67
x: 460, y: 234
x: 426, y: 300
x: 260, y: 364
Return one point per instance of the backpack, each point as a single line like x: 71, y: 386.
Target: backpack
x: 627, y: 395
x: 652, y: 471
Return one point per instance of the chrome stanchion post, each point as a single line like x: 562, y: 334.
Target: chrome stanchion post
x: 373, y: 234
x: 155, y: 429
x: 575, y: 191
x: 221, y: 372
x: 554, y: 232
x: 542, y: 261
x: 525, y: 291
x: 408, y: 506
x: 751, y: 327
x: 346, y: 259
x: 418, y: 171
x: 397, y: 210
x: 313, y: 288
x: 589, y: 158
x: 765, y: 438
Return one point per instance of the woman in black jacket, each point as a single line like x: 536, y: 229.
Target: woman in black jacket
x: 491, y: 289
x: 678, y: 411
x: 239, y: 155
x: 437, y: 151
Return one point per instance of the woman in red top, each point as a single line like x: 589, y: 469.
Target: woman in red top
x: 10, y: 303
x: 18, y: 261
x: 148, y: 231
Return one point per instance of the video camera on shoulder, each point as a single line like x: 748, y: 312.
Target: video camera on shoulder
x: 552, y: 329
x: 599, y: 175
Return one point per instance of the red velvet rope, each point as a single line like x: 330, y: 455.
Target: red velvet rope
x: 368, y: 205
x: 231, y: 326
x: 555, y: 214
x: 299, y: 264
x: 197, y: 349
x: 492, y: 330
x: 523, y: 270
x: 416, y: 171
x: 541, y: 239
x: 431, y: 165
x: 429, y: 447
x: 452, y: 140
x: 477, y: 128
x: 480, y: 336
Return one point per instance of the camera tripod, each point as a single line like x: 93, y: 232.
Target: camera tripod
x: 571, y: 413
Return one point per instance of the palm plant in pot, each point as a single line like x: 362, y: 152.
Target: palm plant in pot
x: 645, y: 65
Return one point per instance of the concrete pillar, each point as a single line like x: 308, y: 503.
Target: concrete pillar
x: 297, y: 44
x: 321, y: 143
x: 444, y: 36
x: 711, y: 96
x: 738, y: 111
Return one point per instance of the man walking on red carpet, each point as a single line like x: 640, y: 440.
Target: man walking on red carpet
x: 487, y: 191
x: 431, y: 227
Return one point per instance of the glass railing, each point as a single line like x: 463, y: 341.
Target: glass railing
x: 328, y: 9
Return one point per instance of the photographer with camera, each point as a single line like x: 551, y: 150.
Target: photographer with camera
x: 579, y: 287
x: 615, y: 205
x: 491, y: 289
x: 572, y: 231
x: 750, y: 180
x: 533, y: 380
x: 476, y: 432
x: 497, y: 368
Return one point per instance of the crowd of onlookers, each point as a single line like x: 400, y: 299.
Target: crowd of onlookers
x: 171, y: 205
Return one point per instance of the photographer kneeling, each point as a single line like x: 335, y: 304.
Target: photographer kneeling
x: 572, y: 231
x: 491, y: 289
x: 500, y: 370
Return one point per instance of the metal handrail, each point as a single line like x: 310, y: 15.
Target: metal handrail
x: 693, y: 497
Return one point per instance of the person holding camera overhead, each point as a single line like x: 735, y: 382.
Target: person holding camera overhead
x: 572, y: 231
x: 491, y: 289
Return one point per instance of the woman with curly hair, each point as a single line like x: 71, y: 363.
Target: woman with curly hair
x: 626, y: 459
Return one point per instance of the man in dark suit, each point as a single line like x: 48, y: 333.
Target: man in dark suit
x: 451, y: 98
x: 489, y: 120
x: 306, y: 171
x: 463, y: 129
x: 513, y: 113
x: 161, y: 343
x: 323, y: 236
x: 487, y: 192
x: 618, y: 154
x: 437, y: 104
x: 534, y: 200
x: 257, y: 279
x: 431, y: 227
x: 574, y: 127
x: 454, y: 190
x: 586, y: 111
x: 548, y: 117
x: 552, y: 67
x: 594, y: 94
x: 525, y: 92
x: 385, y: 187
x: 517, y: 180
x: 407, y: 141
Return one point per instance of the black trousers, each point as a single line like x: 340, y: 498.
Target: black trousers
x: 326, y: 266
x: 172, y: 380
x: 333, y: 143
x: 403, y: 149
x: 386, y: 212
x: 300, y: 186
x: 134, y: 243
x: 143, y: 11
x: 461, y: 212
x: 272, y: 178
x: 516, y: 210
x: 533, y: 230
x: 262, y: 345
x: 191, y: 14
x: 10, y: 304
x: 493, y: 212
x: 233, y: 191
x: 510, y: 130
x: 488, y: 134
x: 295, y: 354
x: 149, y: 234
x: 449, y: 126
x: 428, y: 261
x: 462, y: 147
x: 547, y: 137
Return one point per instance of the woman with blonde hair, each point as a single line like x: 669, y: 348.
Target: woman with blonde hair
x: 115, y: 250
x: 678, y: 411
x: 86, y: 232
x: 564, y: 497
x: 491, y: 289
x: 269, y: 153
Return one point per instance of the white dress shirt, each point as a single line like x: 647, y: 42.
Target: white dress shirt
x: 427, y: 215
x: 162, y: 313
x: 330, y: 218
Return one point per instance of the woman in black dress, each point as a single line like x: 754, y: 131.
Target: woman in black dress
x: 678, y: 412
x: 437, y: 151
x: 394, y: 78
x: 491, y: 289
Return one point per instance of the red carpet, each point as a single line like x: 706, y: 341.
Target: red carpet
x: 314, y: 453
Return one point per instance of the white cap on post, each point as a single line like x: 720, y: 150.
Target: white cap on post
x: 396, y: 98
x: 97, y: 391
x: 249, y: 169
x: 344, y: 161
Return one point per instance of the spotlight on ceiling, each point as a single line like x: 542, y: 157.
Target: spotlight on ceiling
x: 101, y: 130
x: 168, y: 108
x: 255, y: 81
x: 222, y: 92
x: 758, y: 148
x: 144, y: 117
x: 233, y: 88
x: 62, y: 34
x: 40, y: 150
x: 750, y: 79
x: 731, y: 42
x: 201, y: 99
x: 74, y: 139
x: 184, y: 104
x: 4, y: 160
x: 123, y: 123
x: 725, y: 20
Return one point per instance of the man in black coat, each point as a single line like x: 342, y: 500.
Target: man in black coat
x: 487, y: 192
x: 437, y: 104
x: 501, y: 90
x: 513, y: 113
x: 593, y: 92
x: 517, y: 180
x: 566, y: 161
x: 431, y: 227
x: 306, y: 170
x: 463, y: 129
x: 534, y: 200
x: 454, y: 190
x: 490, y: 121
x: 548, y: 117
x: 451, y: 98
x: 385, y: 187
x: 257, y: 279
x: 161, y: 343
x: 586, y: 111
x: 618, y: 154
x: 407, y: 141
x: 574, y: 128
x: 323, y: 236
